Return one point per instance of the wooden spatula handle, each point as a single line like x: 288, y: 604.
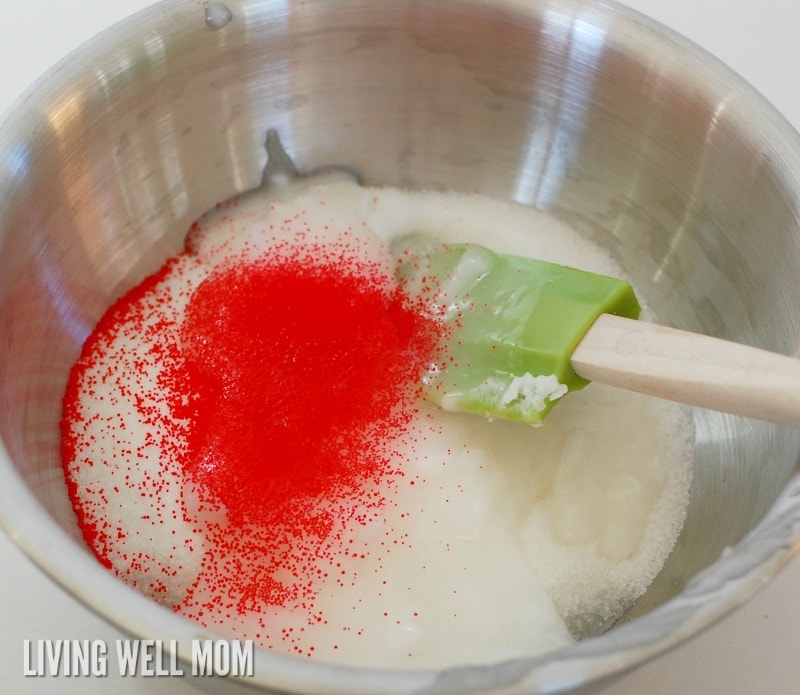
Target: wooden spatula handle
x: 690, y: 368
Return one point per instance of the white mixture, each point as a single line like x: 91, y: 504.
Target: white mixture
x: 500, y: 540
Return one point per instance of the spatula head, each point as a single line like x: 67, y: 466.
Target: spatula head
x: 512, y: 324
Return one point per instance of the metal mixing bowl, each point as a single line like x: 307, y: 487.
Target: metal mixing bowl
x: 584, y: 109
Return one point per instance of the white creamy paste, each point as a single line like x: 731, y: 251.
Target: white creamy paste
x: 500, y: 541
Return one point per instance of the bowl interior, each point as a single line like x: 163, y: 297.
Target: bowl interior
x: 581, y: 109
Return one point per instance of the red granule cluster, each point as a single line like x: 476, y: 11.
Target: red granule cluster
x: 297, y: 372
x: 293, y: 375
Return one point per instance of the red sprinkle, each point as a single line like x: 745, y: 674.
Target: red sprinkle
x: 295, y: 375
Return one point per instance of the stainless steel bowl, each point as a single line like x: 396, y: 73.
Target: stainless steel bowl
x: 584, y: 109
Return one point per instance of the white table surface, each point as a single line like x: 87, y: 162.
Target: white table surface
x: 755, y: 650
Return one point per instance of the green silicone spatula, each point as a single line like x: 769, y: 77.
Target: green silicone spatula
x: 523, y: 333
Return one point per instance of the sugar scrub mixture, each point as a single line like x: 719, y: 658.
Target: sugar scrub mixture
x: 245, y: 442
